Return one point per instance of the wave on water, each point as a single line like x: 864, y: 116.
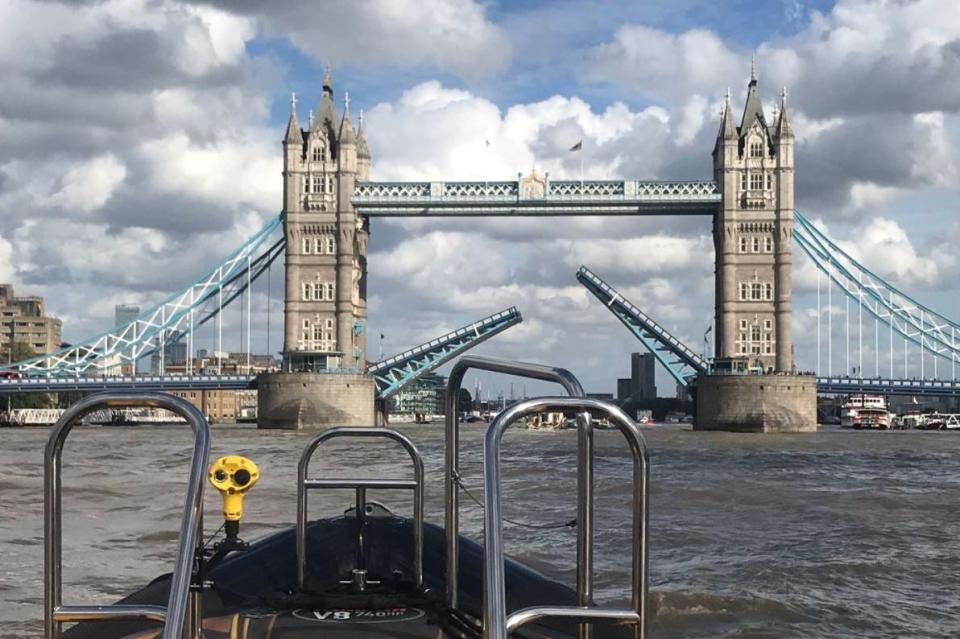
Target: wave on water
x: 686, y: 614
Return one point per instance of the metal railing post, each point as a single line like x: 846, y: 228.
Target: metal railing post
x: 496, y: 623
x: 178, y: 609
x: 584, y: 517
x: 360, y: 486
x: 452, y: 443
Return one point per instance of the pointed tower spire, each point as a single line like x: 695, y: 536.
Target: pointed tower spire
x: 783, y: 124
x: 347, y: 134
x: 293, y: 135
x: 326, y: 120
x: 727, y: 130
x: 753, y: 108
x: 362, y: 150
x: 327, y: 80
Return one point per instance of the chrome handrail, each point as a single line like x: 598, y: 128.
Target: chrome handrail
x: 179, y: 607
x: 452, y: 462
x: 304, y: 483
x: 496, y: 623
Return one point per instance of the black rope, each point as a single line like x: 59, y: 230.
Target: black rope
x: 567, y: 524
x: 216, y: 532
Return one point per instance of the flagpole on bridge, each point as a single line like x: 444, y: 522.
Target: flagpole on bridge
x: 578, y: 148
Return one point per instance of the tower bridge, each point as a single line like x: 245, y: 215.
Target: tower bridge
x: 329, y: 201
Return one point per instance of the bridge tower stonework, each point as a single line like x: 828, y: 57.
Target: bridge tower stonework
x: 754, y: 166
x: 753, y: 163
x: 325, y: 308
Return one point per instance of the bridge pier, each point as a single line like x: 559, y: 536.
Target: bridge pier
x: 781, y: 403
x: 297, y: 401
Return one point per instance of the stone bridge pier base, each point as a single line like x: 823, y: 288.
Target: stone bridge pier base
x: 296, y: 401
x: 775, y: 403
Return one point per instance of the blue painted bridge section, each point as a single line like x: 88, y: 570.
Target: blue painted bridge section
x: 682, y: 362
x: 536, y: 195
x: 92, y: 384
x: 394, y: 373
x: 882, y: 386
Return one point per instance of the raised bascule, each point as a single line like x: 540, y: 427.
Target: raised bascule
x: 749, y: 384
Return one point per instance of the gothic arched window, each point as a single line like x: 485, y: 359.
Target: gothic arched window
x: 317, y: 154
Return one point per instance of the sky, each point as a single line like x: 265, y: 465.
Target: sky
x: 140, y: 143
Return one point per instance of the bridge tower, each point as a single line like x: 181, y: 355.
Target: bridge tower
x: 326, y: 256
x: 323, y: 381
x: 752, y: 233
x: 754, y: 166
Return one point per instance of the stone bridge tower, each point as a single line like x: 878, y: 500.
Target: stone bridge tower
x: 754, y: 166
x: 326, y: 255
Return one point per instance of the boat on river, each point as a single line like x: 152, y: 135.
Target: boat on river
x: 371, y: 573
x: 865, y: 412
x: 939, y: 421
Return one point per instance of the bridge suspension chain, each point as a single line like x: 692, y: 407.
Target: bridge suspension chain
x: 916, y: 323
x: 163, y: 323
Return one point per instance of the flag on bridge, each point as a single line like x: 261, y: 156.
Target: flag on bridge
x: 578, y: 146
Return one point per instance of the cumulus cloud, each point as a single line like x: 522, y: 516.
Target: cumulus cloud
x: 452, y: 35
x: 88, y: 185
x: 664, y: 66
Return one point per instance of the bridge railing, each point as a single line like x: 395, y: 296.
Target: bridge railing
x: 460, y: 193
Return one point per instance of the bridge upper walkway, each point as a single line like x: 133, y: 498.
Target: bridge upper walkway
x: 536, y: 198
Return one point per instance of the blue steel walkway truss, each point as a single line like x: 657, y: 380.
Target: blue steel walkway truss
x: 536, y: 197
x: 394, y: 373
x: 679, y: 360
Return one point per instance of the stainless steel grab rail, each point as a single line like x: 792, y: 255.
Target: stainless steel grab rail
x: 180, y: 608
x: 304, y: 484
x: 496, y: 623
x: 452, y: 461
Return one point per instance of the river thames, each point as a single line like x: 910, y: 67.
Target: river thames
x: 838, y: 534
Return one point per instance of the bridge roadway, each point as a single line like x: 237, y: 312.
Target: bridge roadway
x: 882, y: 386
x: 88, y: 384
x: 825, y: 385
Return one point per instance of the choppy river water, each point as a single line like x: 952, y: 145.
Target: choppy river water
x: 837, y: 534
